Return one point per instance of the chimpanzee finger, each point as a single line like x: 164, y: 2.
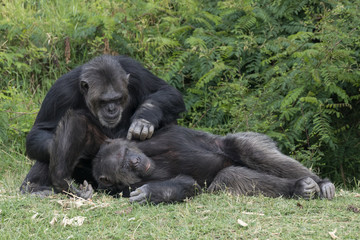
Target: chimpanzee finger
x: 84, y: 185
x: 85, y: 190
x: 140, y: 129
x: 144, y: 133
x: 140, y: 195
x: 135, y: 193
x: 130, y: 131
x: 137, y: 129
x: 147, y: 130
x: 328, y: 190
x: 151, y: 131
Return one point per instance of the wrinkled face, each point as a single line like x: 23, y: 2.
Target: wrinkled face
x: 103, y: 83
x: 119, y: 163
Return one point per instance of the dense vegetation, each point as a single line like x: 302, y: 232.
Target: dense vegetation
x: 289, y: 69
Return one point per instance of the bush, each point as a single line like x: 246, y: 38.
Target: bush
x: 289, y: 69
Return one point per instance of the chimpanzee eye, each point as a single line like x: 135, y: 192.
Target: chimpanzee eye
x: 118, y: 100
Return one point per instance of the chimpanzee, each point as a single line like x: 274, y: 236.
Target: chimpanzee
x: 117, y: 94
x: 177, y: 162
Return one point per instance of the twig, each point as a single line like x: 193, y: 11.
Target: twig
x: 80, y: 198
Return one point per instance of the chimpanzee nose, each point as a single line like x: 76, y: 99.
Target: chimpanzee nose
x: 134, y: 161
x: 111, y: 108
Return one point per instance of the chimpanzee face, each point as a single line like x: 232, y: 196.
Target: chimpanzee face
x: 103, y: 83
x: 120, y: 163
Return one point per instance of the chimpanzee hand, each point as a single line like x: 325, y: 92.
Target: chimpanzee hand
x: 171, y: 190
x: 140, y: 195
x: 85, y: 190
x: 306, y: 188
x: 327, y: 190
x: 140, y: 129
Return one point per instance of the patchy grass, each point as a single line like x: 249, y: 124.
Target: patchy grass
x: 208, y: 216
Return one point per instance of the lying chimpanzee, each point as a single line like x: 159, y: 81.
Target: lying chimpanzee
x: 176, y: 162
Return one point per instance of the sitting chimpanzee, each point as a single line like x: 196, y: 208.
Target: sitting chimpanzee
x: 176, y: 162
x: 118, y: 95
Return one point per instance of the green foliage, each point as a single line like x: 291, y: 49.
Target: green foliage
x: 17, y: 115
x: 289, y: 69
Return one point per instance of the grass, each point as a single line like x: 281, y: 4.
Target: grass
x: 207, y: 216
x: 33, y: 49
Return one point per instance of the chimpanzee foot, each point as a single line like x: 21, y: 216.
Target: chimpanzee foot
x: 85, y: 190
x: 36, y: 190
x: 327, y: 190
x: 140, y: 195
x: 306, y: 188
x: 43, y: 194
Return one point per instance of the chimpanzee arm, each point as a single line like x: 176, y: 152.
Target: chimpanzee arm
x: 62, y: 96
x: 159, y: 109
x: 38, y: 142
x: 158, y: 103
x: 172, y: 190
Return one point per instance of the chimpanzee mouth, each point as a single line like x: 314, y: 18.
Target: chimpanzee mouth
x: 110, y: 122
x: 113, y: 118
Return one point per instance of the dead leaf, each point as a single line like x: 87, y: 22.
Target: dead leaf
x: 357, y: 195
x: 76, y: 221
x: 332, y: 234
x: 53, y: 221
x: 34, y: 216
x: 74, y: 203
x: 102, y: 205
x: 251, y: 213
x: 242, y: 223
x: 299, y: 205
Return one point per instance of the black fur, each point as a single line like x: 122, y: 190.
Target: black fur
x: 176, y: 162
x: 150, y: 100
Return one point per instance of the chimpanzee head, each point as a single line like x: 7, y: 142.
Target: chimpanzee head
x: 103, y: 82
x: 120, y: 163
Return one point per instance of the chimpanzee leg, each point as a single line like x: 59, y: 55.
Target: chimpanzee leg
x: 73, y: 140
x: 245, y: 181
x: 258, y: 152
x: 37, y: 181
x: 66, y: 149
x: 173, y: 190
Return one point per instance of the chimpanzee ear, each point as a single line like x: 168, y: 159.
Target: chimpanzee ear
x: 84, y: 86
